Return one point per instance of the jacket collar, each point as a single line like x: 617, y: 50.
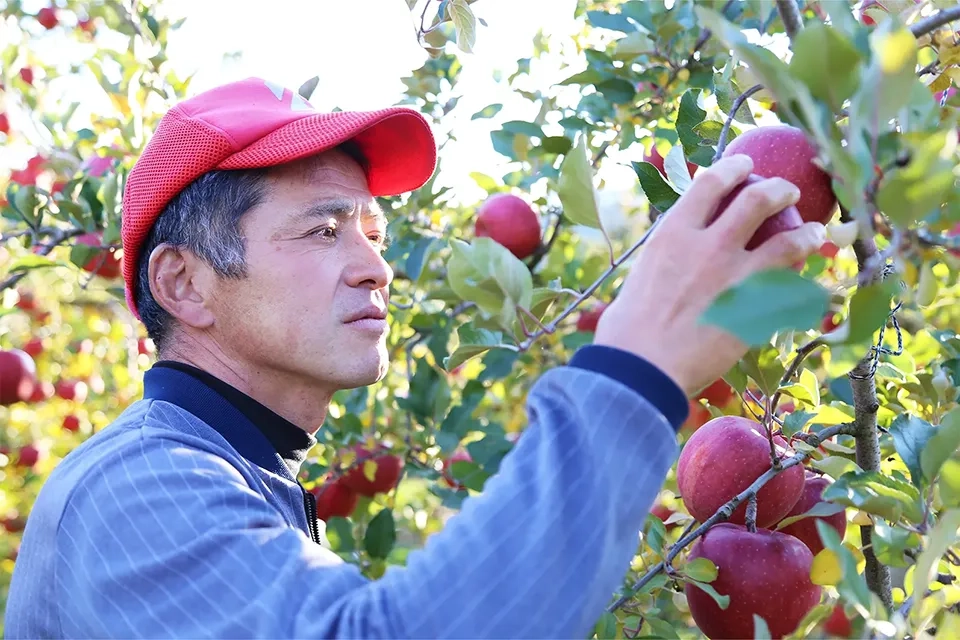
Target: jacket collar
x: 258, y: 434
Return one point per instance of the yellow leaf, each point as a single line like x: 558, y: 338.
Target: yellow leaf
x: 895, y: 50
x: 370, y: 469
x: 949, y: 55
x: 942, y: 83
x: 862, y: 519
x: 826, y: 569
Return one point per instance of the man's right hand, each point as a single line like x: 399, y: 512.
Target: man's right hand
x: 685, y: 265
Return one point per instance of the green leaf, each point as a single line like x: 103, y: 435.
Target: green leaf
x: 418, y: 256
x: 949, y: 484
x: 617, y: 90
x: 575, y: 187
x: 606, y: 626
x: 798, y: 392
x: 794, y: 422
x: 381, y: 534
x: 522, y: 126
x: 727, y: 93
x: 339, y: 532
x: 767, y: 302
x: 835, y: 466
x: 556, y: 144
x: 722, y: 601
x: 827, y: 62
x: 710, y: 130
x: 760, y: 629
x: 819, y: 510
x: 875, y: 493
x: 487, y: 112
x: 810, y: 382
x: 910, y: 436
x: 943, y: 536
x: 675, y: 165
x: 852, y: 586
x: 688, y: 117
x: 486, y: 273
x: 660, y: 194
x: 941, y: 445
x: 911, y: 193
x: 612, y: 21
x: 474, y: 342
x: 464, y: 22
x: 889, y: 543
x: 763, y: 366
x: 34, y: 261
x: 632, y: 46
x: 701, y: 570
x: 869, y: 310
x: 29, y: 204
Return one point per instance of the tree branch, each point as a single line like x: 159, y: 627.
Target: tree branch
x: 791, y: 371
x: 938, y: 19
x: 790, y: 14
x: 724, y: 512
x: 57, y: 237
x: 722, y: 143
x: 866, y: 405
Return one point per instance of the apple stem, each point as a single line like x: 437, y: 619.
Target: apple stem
x: 545, y: 247
x: 794, y: 367
x: 724, y: 512
x: 725, y: 132
x: 751, y: 518
x: 790, y: 15
x: 523, y: 310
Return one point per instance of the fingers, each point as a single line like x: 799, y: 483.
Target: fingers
x: 788, y: 248
x: 752, y: 206
x: 706, y: 191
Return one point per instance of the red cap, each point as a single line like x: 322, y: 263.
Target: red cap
x: 255, y: 123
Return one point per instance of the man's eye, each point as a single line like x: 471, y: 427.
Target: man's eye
x: 327, y: 232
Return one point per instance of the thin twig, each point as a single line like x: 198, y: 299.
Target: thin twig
x: 725, y: 132
x: 790, y: 15
x: 791, y: 371
x: 57, y: 237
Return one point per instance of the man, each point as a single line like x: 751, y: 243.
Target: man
x: 252, y: 253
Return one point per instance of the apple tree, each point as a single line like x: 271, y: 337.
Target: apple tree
x: 854, y: 363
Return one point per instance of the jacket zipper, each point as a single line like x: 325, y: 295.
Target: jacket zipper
x: 310, y: 503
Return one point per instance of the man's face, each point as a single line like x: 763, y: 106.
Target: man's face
x: 314, y: 266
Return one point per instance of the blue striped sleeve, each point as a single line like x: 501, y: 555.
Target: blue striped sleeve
x: 165, y: 539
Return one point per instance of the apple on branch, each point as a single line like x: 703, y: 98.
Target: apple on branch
x: 18, y: 376
x: 764, y: 573
x: 783, y: 151
x: 805, y: 530
x: 723, y: 458
x: 508, y: 220
x: 386, y: 471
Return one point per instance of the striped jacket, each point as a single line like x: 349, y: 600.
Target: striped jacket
x: 180, y: 520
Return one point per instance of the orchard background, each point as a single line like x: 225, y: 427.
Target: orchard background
x: 850, y: 387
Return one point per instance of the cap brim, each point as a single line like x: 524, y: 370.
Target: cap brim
x: 397, y: 142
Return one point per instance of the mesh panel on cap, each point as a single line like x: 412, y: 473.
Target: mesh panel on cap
x: 180, y: 151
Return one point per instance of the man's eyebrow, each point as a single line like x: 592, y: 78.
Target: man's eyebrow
x: 342, y: 209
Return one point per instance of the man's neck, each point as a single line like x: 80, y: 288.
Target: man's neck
x: 302, y: 404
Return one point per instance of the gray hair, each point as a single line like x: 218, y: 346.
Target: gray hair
x: 204, y: 218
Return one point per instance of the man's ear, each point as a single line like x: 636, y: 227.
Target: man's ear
x: 181, y: 283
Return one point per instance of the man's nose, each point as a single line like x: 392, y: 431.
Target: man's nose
x: 366, y: 267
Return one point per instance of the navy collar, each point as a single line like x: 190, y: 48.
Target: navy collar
x: 257, y: 433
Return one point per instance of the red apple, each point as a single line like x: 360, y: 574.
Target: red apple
x: 87, y: 25
x: 334, y: 500
x: 653, y: 157
x: 663, y: 512
x: 829, y: 250
x: 864, y: 18
x: 27, y: 301
x: 71, y: 423
x: 28, y: 175
x: 145, y: 346
x: 783, y: 151
x: 48, y: 17
x: 104, y: 262
x: 447, y: 469
x: 14, y: 522
x: 765, y: 573
x: 587, y: 321
x: 28, y: 456
x: 699, y: 416
x: 508, y: 220
x: 829, y: 323
x: 4, y: 123
x: 723, y: 458
x: 385, y: 476
x: 787, y: 219
x: 719, y: 393
x: 806, y: 530
x: 18, y: 376
x: 838, y: 624
x: 33, y: 347
x: 42, y: 391
x: 75, y: 390
x: 26, y: 74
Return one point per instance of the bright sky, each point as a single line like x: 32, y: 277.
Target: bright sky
x: 361, y: 49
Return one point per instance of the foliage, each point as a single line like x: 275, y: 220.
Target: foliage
x: 878, y: 102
